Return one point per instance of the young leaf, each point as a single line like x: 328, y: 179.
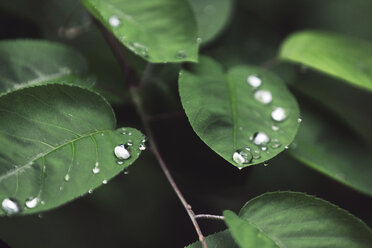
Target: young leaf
x: 157, y: 30
x: 211, y: 16
x: 245, y: 234
x: 334, y: 152
x: 233, y: 117
x: 293, y: 220
x: 58, y: 143
x: 32, y: 62
x: 342, y: 57
x: 217, y: 240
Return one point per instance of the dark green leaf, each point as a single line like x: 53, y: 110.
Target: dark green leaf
x: 157, y: 30
x: 334, y: 152
x: 225, y: 114
x: 342, y: 57
x: 211, y: 16
x: 217, y: 240
x: 52, y: 138
x: 32, y: 62
x: 245, y: 234
x: 295, y: 220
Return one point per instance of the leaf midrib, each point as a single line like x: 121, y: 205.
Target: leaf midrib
x: 25, y: 166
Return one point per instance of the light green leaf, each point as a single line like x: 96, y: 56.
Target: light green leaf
x: 342, y: 57
x: 157, y: 30
x: 53, y: 140
x: 33, y: 62
x: 225, y: 114
x: 245, y: 234
x: 211, y: 16
x: 334, y: 152
x: 217, y: 240
x: 295, y: 220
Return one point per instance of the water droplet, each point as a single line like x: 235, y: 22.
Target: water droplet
x: 266, y: 163
x: 90, y: 191
x: 10, y: 206
x: 260, y: 139
x: 181, y: 54
x: 263, y: 96
x: 96, y: 164
x: 264, y: 148
x: 242, y: 157
x: 286, y: 147
x: 126, y: 171
x: 121, y: 152
x: 240, y: 168
x: 67, y: 177
x: 102, y: 134
x: 299, y: 120
x: 256, y: 154
x: 40, y: 216
x: 104, y: 181
x: 142, y: 147
x: 124, y: 133
x: 42, y: 202
x: 60, y: 188
x: 96, y: 170
x: 114, y: 21
x: 278, y: 114
x: 248, y: 148
x: 120, y: 162
x: 275, y: 143
x: 129, y: 133
x: 32, y: 202
x: 199, y: 40
x: 254, y: 81
x: 275, y: 128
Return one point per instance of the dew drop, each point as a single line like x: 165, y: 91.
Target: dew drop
x: 278, y: 114
x: 42, y: 202
x: 264, y: 148
x: 126, y: 171
x: 275, y: 128
x: 120, y: 162
x: 90, y: 191
x: 114, y: 21
x: 266, y: 163
x: 142, y: 147
x: 121, y: 152
x: 181, y: 54
x: 286, y: 147
x: 242, y: 156
x: 67, y: 177
x: 254, y: 81
x: 263, y: 96
x: 260, y: 139
x: 129, y: 133
x: 102, y: 134
x: 104, y: 181
x: 32, y: 202
x: 10, y: 206
x: 60, y: 188
x: 199, y: 40
x: 275, y: 143
x: 256, y: 154
x: 96, y: 170
x: 299, y: 120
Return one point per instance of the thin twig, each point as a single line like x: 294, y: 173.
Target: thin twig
x: 209, y: 216
x: 148, y: 131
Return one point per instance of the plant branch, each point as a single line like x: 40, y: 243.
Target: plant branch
x: 137, y: 102
x: 209, y: 216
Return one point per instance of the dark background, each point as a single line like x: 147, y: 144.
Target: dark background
x: 140, y: 209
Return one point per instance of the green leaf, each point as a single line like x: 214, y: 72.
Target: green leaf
x: 157, y: 30
x: 342, y: 57
x: 295, y: 220
x: 32, y: 62
x: 52, y: 137
x: 224, y: 113
x: 245, y: 234
x: 217, y: 240
x: 334, y: 152
x: 211, y: 16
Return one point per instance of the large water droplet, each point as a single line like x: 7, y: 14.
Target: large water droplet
x: 254, y: 81
x: 121, y: 152
x: 32, y: 202
x: 278, y: 114
x: 96, y: 170
x: 142, y: 147
x: 114, y: 21
x: 263, y: 96
x: 10, y: 206
x: 260, y: 139
x: 242, y: 156
x: 67, y: 177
